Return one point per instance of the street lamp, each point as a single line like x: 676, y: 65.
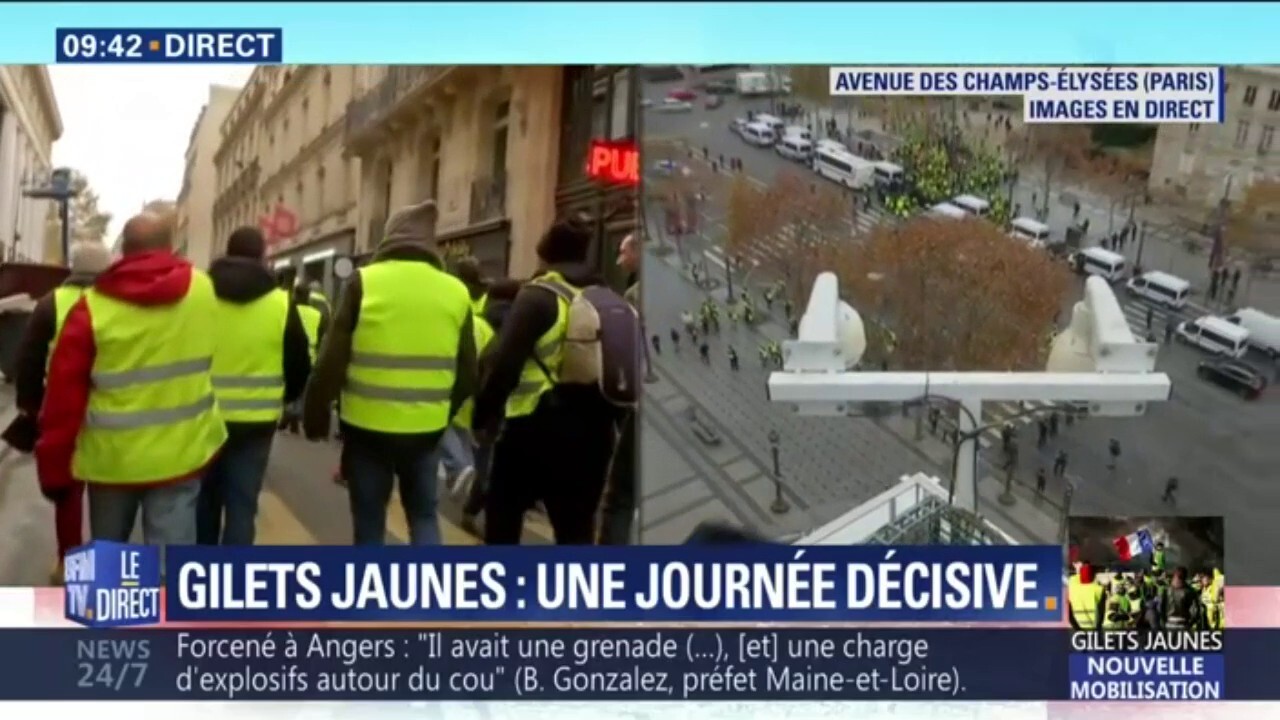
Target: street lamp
x: 1096, y: 360
x: 59, y: 190
x: 779, y: 506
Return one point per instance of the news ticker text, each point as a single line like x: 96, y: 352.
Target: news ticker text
x: 632, y: 663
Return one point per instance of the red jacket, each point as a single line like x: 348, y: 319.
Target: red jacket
x: 147, y: 279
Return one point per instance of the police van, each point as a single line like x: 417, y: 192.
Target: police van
x: 888, y: 175
x: 843, y: 167
x: 1032, y: 231
x: 758, y: 134
x: 794, y: 147
x: 1161, y: 288
x: 1264, y: 329
x: 947, y: 211
x: 972, y: 204
x: 774, y: 124
x: 1215, y: 335
x: 1097, y: 261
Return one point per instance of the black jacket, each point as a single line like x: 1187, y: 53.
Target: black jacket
x: 242, y: 280
x: 532, y: 313
x: 33, y: 352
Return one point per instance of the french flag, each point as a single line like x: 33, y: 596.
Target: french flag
x: 1135, y: 543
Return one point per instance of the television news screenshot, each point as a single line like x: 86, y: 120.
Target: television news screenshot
x: 362, y: 359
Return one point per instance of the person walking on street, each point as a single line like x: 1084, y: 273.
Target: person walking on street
x: 620, y: 499
x: 401, y: 354
x: 704, y: 352
x: 1042, y: 482
x: 570, y: 428
x: 734, y: 362
x: 1054, y: 420
x: 129, y: 406
x: 656, y: 341
x: 1113, y: 452
x: 260, y: 365
x: 313, y: 325
x: 1170, y: 495
x: 88, y: 260
x: 1042, y: 434
x: 675, y: 340
x: 1169, y: 326
x: 1235, y: 280
x: 1060, y: 464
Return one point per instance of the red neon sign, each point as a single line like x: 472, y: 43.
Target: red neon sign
x: 615, y: 162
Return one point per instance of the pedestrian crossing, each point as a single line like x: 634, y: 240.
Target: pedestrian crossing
x: 786, y: 245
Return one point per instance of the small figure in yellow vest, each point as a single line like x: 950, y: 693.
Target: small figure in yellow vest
x: 1085, y: 599
x: 401, y: 352
x: 129, y: 408
x: 88, y: 259
x: 314, y: 325
x: 260, y: 364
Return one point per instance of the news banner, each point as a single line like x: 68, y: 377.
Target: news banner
x: 602, y: 623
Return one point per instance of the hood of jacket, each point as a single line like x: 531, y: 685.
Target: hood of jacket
x: 240, y: 280
x: 157, y: 277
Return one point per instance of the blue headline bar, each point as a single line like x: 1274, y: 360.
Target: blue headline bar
x: 598, y: 584
x: 169, y: 45
x: 631, y: 664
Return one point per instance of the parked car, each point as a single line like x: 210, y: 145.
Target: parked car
x: 1238, y: 377
x: 714, y: 101
x: 737, y: 124
x: 720, y: 87
x: 672, y: 105
x: 683, y: 94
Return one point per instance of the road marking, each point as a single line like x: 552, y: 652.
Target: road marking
x: 277, y: 524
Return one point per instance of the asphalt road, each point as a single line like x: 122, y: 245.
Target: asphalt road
x: 1221, y: 448
x: 300, y: 505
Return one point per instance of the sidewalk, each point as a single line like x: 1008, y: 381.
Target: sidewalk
x: 27, y: 543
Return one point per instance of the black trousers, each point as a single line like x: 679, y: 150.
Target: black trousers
x: 558, y: 455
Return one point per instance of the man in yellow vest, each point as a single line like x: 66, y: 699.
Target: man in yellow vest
x: 554, y: 442
x: 88, y: 259
x: 129, y: 406
x: 401, y: 352
x: 260, y: 363
x: 1085, y: 599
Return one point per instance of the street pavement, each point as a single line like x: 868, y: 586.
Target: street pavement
x: 1219, y: 446
x: 300, y: 505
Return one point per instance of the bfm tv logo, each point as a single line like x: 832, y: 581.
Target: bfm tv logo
x: 113, y: 585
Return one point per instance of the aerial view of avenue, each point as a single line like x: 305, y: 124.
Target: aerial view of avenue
x: 964, y: 240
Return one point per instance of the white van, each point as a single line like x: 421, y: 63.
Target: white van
x: 889, y: 175
x: 797, y: 131
x: 758, y: 134
x: 794, y: 147
x: 1103, y: 263
x: 775, y: 124
x: 1032, y: 231
x: 947, y: 211
x: 845, y: 168
x: 972, y: 204
x: 1264, y: 329
x: 1215, y: 335
x: 1160, y: 287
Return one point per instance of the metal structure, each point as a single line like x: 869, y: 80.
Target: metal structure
x: 60, y: 191
x: 1096, y: 361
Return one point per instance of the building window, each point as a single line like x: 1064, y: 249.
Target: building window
x: 1242, y: 133
x: 501, y: 117
x: 1250, y: 95
x: 1273, y: 101
x: 1264, y: 142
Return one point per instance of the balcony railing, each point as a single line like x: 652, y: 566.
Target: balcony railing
x: 372, y: 109
x: 488, y: 199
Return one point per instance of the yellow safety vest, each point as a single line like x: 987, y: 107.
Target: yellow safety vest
x: 1084, y: 599
x: 549, y: 350
x: 152, y: 414
x: 404, y: 348
x: 311, y: 325
x: 65, y: 297
x: 248, y: 364
x: 484, y: 335
x: 478, y: 305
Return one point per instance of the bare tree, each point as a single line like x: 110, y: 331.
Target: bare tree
x: 801, y: 216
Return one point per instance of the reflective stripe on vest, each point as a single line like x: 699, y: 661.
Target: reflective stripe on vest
x: 248, y: 365
x: 311, y: 325
x: 404, y: 348
x: 64, y: 298
x: 484, y: 335
x: 151, y: 414
x: 549, y: 350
